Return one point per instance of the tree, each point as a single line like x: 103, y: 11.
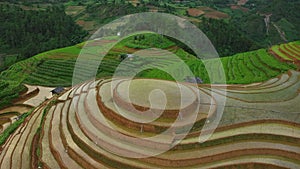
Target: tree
x: 28, y: 32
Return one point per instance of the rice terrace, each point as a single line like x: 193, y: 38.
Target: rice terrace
x: 240, y: 110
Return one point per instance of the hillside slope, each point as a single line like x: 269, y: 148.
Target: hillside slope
x: 55, y: 68
x: 89, y: 127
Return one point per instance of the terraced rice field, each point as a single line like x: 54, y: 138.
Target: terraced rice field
x: 87, y: 127
x: 90, y: 124
x: 11, y: 114
x: 244, y: 68
x: 7, y: 119
x: 207, y: 12
x: 289, y: 52
x: 55, y: 68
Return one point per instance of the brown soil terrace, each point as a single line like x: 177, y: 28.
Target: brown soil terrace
x: 195, y: 12
x: 80, y: 128
x: 167, y: 113
x: 294, y: 49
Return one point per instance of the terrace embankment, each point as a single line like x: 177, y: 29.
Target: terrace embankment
x: 91, y: 126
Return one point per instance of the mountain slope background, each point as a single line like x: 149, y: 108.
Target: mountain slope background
x: 231, y: 29
x: 25, y: 33
x: 232, y: 26
x: 55, y: 67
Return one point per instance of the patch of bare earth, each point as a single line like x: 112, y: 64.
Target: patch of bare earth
x: 134, y: 2
x: 242, y: 2
x: 44, y: 93
x: 207, y: 12
x: 87, y: 25
x: 205, y: 8
x: 216, y: 15
x: 74, y: 10
x: 195, y: 12
x: 238, y: 7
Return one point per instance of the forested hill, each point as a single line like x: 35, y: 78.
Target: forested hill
x: 30, y: 27
x: 226, y: 38
x: 25, y: 33
x: 270, y: 22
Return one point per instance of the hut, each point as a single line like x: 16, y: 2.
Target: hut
x: 190, y: 79
x: 57, y: 90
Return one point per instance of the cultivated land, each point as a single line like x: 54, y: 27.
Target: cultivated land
x: 251, y: 93
x: 138, y: 92
x: 82, y: 129
x: 89, y: 123
x: 207, y: 12
x: 55, y: 68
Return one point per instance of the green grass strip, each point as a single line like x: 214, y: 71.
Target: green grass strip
x: 7, y: 132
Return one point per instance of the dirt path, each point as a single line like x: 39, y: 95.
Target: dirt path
x: 281, y: 33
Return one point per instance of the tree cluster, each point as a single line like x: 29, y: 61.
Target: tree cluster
x: 29, y: 32
x: 226, y: 38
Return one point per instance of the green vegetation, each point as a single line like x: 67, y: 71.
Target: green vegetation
x: 55, y: 68
x: 25, y: 33
x: 244, y: 39
x: 285, y: 16
x: 98, y: 13
x: 227, y: 35
x: 243, y: 68
x: 7, y: 132
x: 288, y: 52
x: 148, y: 40
x: 39, y: 130
x: 246, y: 24
x: 56, y: 72
x: 13, y: 78
x: 226, y: 38
x: 244, y: 30
x: 9, y: 91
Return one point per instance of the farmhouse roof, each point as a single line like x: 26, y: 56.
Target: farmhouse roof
x: 130, y: 55
x: 194, y: 80
x: 57, y: 90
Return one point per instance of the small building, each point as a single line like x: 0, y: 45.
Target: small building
x: 57, y: 90
x: 190, y: 79
x: 130, y: 56
x: 199, y: 81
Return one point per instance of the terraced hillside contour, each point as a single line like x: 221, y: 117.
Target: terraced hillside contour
x: 287, y: 52
x: 260, y: 127
x: 55, y: 68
